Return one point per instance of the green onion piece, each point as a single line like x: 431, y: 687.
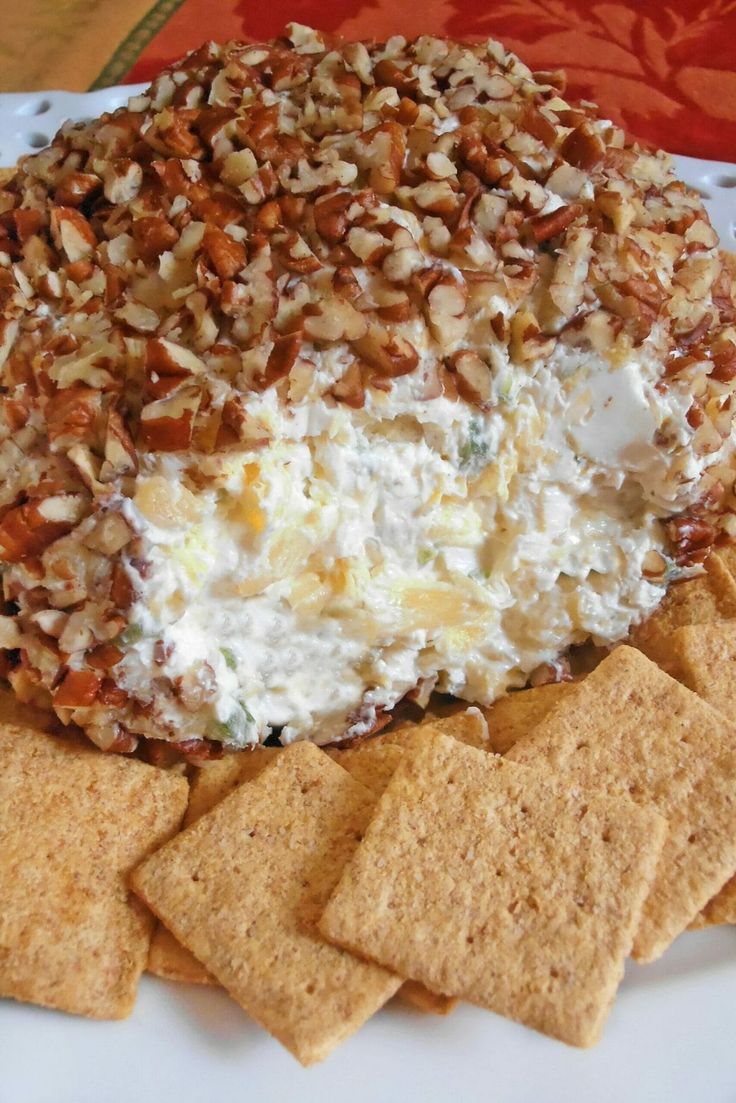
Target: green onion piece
x: 229, y: 658
x: 132, y: 634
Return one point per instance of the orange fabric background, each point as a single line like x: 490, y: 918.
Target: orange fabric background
x: 665, y: 71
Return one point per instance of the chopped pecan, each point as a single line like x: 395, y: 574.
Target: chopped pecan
x: 122, y: 592
x: 79, y: 689
x: 227, y: 256
x: 153, y: 235
x: 72, y: 233
x: 388, y: 354
x: 385, y: 150
x: 546, y: 226
x: 690, y: 535
x: 73, y: 414
x: 350, y: 388
x: 121, y: 457
x: 472, y: 377
x: 335, y: 320
x: 281, y: 358
x: 77, y: 187
x: 345, y: 284
x: 295, y: 254
x: 331, y: 218
x: 166, y: 425
x: 584, y: 147
x: 25, y: 532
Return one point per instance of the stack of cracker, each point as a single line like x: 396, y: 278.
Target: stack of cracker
x: 519, y: 884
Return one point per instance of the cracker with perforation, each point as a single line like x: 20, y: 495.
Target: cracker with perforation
x: 709, y: 598
x: 631, y: 730
x: 512, y: 717
x: 243, y: 889
x: 213, y: 782
x: 167, y: 958
x: 370, y: 763
x: 74, y: 822
x: 500, y: 884
x: 373, y: 764
x: 704, y: 659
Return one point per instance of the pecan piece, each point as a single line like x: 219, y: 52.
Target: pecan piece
x: 72, y: 233
x: 153, y: 235
x: 227, y: 256
x: 25, y: 532
x: 166, y: 425
x: 121, y: 457
x: 72, y: 414
x: 583, y: 147
x: 79, y: 689
x: 350, y: 388
x: 546, y: 226
x: 385, y: 149
x: 335, y: 320
x: 76, y: 187
x: 281, y: 359
x: 472, y: 377
x: 330, y: 216
x: 388, y: 353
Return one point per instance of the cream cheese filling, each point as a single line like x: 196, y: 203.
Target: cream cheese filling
x: 318, y: 578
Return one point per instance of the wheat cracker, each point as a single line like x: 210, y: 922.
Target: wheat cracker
x: 500, y: 884
x: 74, y: 822
x: 243, y: 889
x: 632, y: 730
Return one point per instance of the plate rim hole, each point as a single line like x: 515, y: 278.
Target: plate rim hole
x: 36, y: 139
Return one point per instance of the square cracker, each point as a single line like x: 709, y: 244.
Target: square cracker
x: 709, y: 598
x: 167, y: 958
x: 703, y: 657
x: 213, y: 782
x: 513, y: 716
x: 630, y: 729
x: 500, y: 884
x: 243, y: 889
x: 74, y: 822
x: 374, y: 763
x: 371, y: 763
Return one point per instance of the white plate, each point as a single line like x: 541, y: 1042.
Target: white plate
x: 670, y: 1038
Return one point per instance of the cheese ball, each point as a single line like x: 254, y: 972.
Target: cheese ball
x: 334, y: 372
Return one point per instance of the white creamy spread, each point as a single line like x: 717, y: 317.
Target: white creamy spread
x: 322, y: 576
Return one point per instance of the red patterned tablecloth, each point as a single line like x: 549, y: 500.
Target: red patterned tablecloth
x: 665, y: 71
